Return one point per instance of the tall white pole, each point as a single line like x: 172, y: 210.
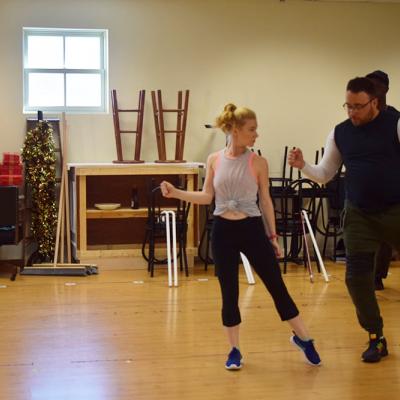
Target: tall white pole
x: 321, y: 263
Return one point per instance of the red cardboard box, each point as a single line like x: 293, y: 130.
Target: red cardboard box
x: 11, y: 159
x: 10, y: 180
x: 6, y: 169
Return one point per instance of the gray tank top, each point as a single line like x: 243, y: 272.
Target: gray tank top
x: 235, y: 184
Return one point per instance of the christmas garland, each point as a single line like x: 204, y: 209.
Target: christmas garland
x: 39, y: 157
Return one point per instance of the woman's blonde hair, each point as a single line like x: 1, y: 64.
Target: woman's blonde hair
x: 233, y: 116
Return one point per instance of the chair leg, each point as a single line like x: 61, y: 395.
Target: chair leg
x: 139, y: 125
x: 306, y: 251
x: 304, y: 257
x: 247, y: 269
x: 146, y: 236
x: 151, y: 255
x: 325, y: 242
x: 311, y: 232
x: 156, y: 112
x: 183, y: 262
x: 207, y: 250
x: 334, y: 243
x: 161, y: 126
x: 317, y: 260
x: 117, y: 129
x: 14, y: 274
x: 181, y: 249
x: 183, y: 125
x: 186, y: 262
x: 10, y: 267
x: 178, y: 128
x: 185, y: 255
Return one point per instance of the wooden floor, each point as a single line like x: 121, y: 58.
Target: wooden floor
x: 121, y: 335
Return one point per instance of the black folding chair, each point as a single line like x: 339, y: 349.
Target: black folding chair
x: 331, y: 213
x: 298, y: 195
x: 156, y: 229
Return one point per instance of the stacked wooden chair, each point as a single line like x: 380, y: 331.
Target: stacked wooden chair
x: 118, y: 131
x: 181, y: 114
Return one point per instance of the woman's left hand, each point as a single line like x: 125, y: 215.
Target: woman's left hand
x: 277, y: 248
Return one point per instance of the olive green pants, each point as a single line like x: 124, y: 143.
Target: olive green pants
x: 363, y: 233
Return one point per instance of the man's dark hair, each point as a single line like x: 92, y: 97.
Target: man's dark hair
x: 380, y: 76
x: 358, y: 85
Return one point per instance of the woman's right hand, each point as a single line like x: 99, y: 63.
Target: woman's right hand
x: 167, y: 189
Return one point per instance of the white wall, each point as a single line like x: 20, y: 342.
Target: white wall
x: 289, y: 61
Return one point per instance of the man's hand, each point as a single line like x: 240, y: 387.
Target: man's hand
x: 295, y: 158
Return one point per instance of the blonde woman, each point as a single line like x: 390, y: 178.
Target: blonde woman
x: 235, y: 176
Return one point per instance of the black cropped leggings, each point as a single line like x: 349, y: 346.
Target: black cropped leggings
x: 229, y: 238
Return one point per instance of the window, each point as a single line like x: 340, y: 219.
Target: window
x: 65, y: 70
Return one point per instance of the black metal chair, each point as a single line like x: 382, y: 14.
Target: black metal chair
x: 205, y: 237
x: 156, y: 229
x: 11, y: 226
x: 331, y: 217
x: 277, y: 184
x: 298, y: 195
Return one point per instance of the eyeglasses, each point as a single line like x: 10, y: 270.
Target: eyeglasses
x: 356, y: 107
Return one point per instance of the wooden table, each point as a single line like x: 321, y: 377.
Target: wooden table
x: 120, y: 232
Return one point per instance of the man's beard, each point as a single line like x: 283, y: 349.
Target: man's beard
x: 368, y: 118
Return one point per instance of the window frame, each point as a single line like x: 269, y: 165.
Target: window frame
x: 102, y: 34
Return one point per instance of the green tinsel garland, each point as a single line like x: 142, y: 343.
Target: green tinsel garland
x: 39, y: 157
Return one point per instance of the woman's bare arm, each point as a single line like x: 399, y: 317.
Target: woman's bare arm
x: 205, y: 196
x: 265, y: 201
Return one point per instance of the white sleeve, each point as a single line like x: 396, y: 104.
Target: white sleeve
x: 329, y: 164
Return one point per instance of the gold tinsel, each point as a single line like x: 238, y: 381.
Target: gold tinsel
x: 39, y: 157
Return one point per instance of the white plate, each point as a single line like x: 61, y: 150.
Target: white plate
x: 107, y: 206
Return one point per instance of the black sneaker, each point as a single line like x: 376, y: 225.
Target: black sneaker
x: 376, y: 350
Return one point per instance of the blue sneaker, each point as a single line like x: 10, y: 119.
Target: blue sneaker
x: 234, y: 360
x: 307, y: 347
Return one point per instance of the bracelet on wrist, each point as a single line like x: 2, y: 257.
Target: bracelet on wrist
x: 272, y: 237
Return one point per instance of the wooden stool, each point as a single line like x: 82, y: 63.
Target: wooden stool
x: 180, y: 130
x: 118, y: 131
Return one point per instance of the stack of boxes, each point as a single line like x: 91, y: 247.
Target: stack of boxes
x: 11, y: 170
